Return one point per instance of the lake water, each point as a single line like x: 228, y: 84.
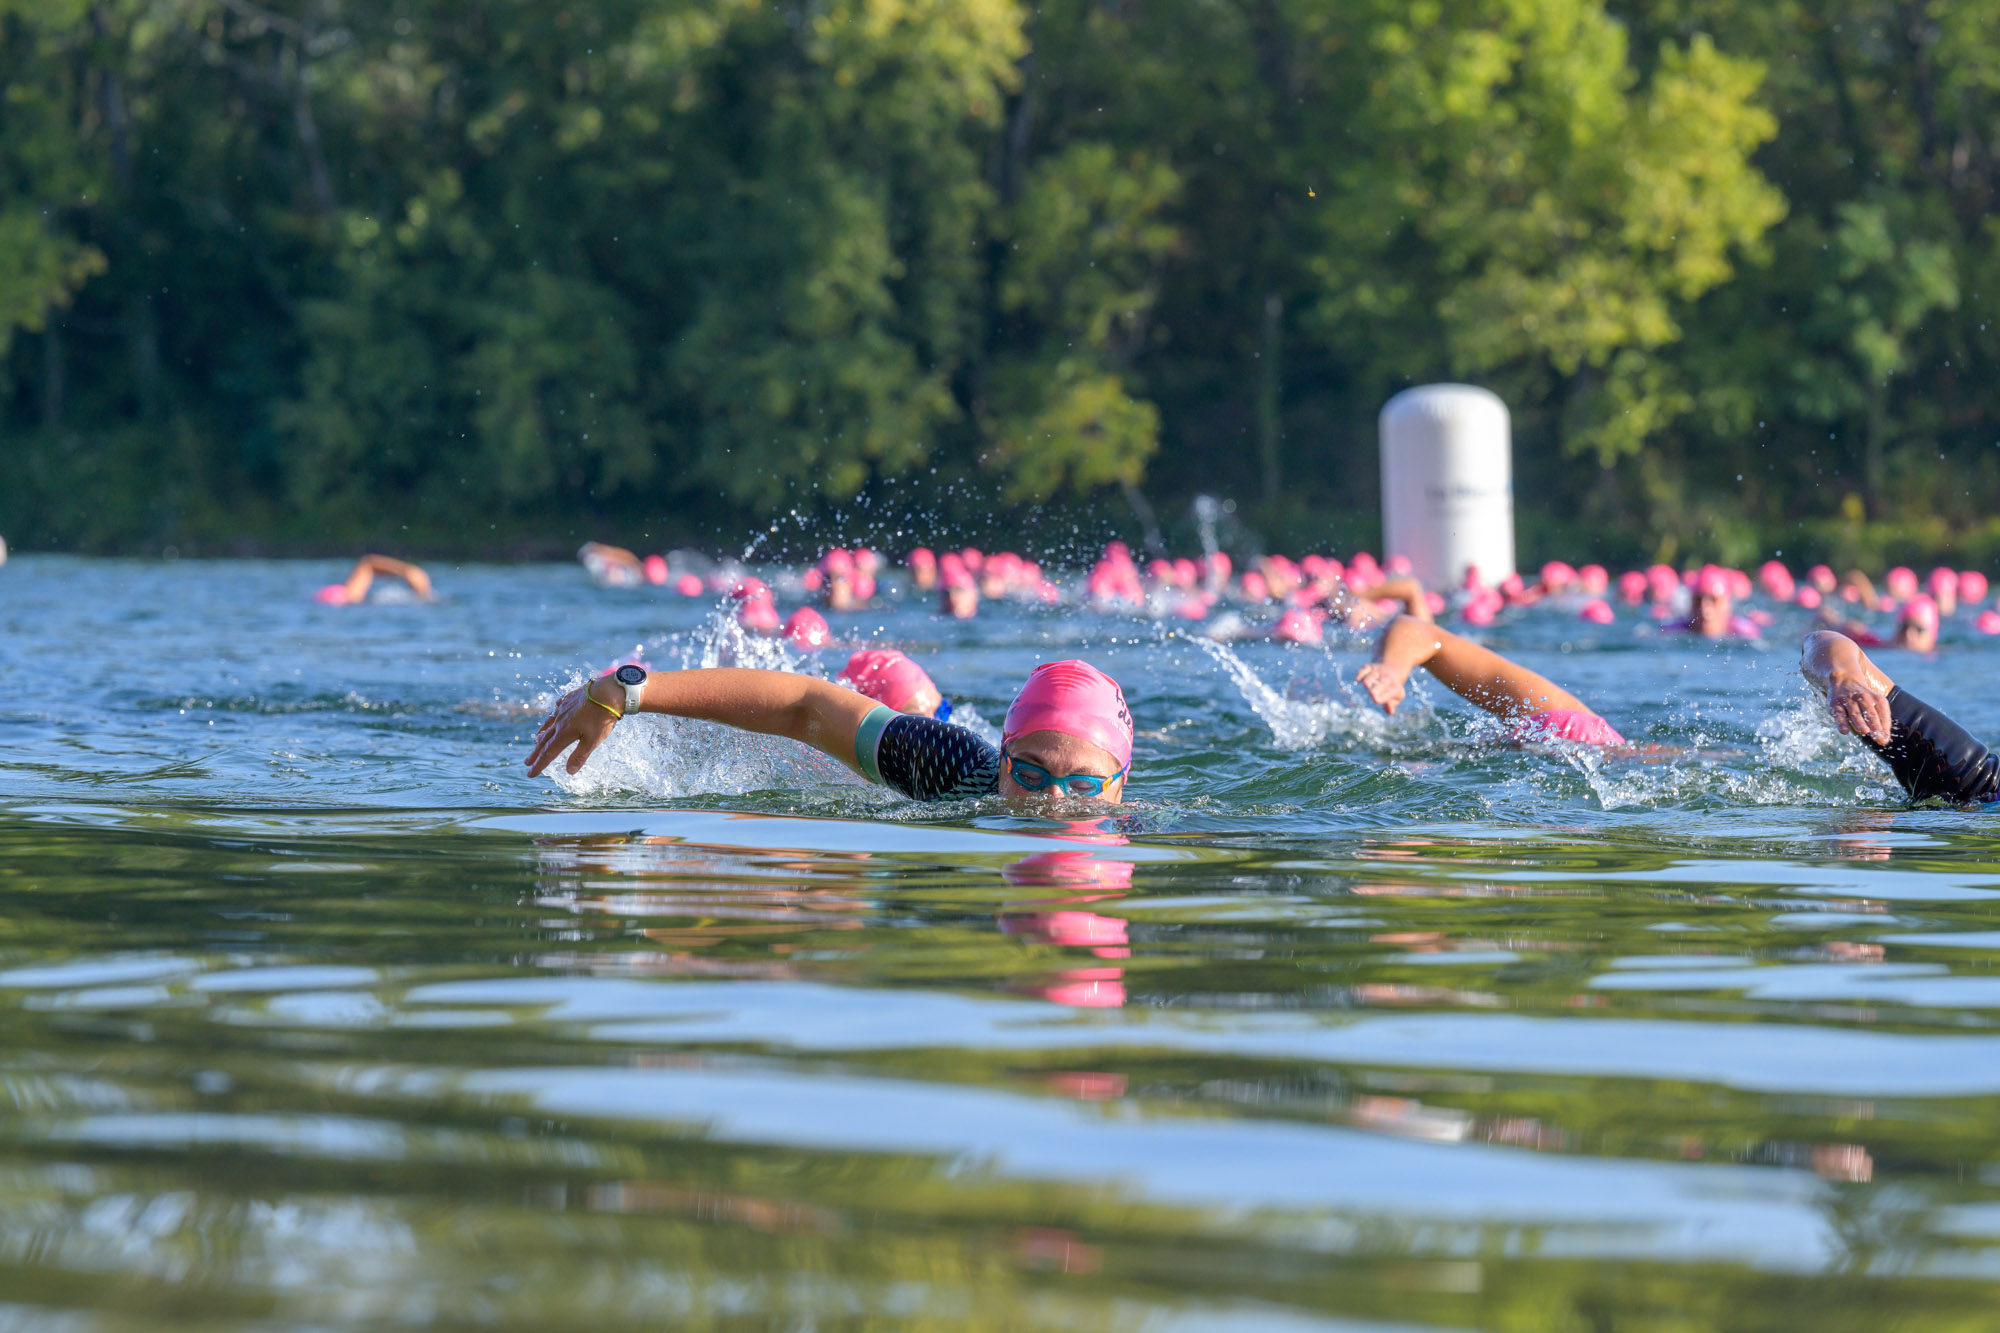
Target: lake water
x: 318, y: 1012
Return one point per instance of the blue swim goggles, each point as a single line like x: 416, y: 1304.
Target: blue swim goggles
x: 1036, y: 778
x: 943, y: 713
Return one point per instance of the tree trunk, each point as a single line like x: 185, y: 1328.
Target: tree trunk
x: 1269, y: 408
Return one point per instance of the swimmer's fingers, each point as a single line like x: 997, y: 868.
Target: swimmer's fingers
x: 1861, y: 712
x: 1382, y: 686
x: 559, y: 730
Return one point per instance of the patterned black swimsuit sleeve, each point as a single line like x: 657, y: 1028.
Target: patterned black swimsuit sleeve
x: 925, y: 759
x: 1932, y: 756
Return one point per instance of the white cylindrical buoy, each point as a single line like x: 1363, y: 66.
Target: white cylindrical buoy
x: 1448, y: 483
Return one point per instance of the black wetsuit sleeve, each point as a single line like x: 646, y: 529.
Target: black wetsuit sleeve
x: 929, y: 760
x: 1932, y: 756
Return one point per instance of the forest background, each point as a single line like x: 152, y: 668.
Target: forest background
x: 491, y: 276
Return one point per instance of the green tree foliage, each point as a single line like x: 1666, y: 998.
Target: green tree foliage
x: 313, y: 269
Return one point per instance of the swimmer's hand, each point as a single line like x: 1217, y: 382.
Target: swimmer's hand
x: 1857, y: 708
x: 576, y: 721
x: 1384, y: 683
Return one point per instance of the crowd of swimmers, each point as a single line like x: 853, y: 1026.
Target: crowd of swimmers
x: 1069, y: 731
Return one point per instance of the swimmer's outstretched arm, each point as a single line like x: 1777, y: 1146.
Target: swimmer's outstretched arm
x: 368, y: 566
x: 775, y: 703
x: 1856, y: 691
x: 1475, y: 674
x: 1403, y: 589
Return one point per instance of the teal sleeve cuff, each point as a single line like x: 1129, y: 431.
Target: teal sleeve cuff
x: 868, y: 736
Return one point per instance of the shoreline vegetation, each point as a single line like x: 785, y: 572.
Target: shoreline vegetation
x: 493, y: 279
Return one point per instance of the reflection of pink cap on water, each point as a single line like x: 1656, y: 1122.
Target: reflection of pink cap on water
x: 1068, y: 868
x: 1102, y: 935
x: 1296, y: 626
x: 656, y: 569
x: 333, y: 594
x: 886, y: 676
x: 1076, y: 699
x: 807, y: 628
x: 1598, y: 612
x: 1901, y: 583
x: 1921, y: 611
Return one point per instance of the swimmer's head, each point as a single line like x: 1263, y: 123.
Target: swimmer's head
x: 1917, y: 627
x: 1713, y: 603
x: 891, y: 678
x: 1069, y: 720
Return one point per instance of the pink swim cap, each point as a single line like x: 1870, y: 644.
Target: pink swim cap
x: 333, y: 594
x: 920, y: 558
x: 1988, y: 622
x: 1296, y: 626
x: 749, y: 590
x: 807, y: 628
x: 1901, y: 582
x: 1921, y: 611
x: 758, y: 614
x: 688, y: 585
x: 1713, y: 582
x: 1598, y: 612
x: 886, y: 676
x: 1632, y: 586
x: 1078, y: 700
x: 656, y: 569
x: 1594, y: 578
x: 1971, y: 586
x: 1254, y: 587
x: 1808, y: 597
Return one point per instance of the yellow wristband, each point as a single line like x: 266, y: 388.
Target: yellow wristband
x: 615, y: 714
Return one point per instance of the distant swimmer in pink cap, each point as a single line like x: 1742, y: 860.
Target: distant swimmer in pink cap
x: 355, y: 590
x: 1916, y: 627
x: 1714, y: 614
x: 1068, y: 733
x: 1539, y: 709
x: 890, y: 677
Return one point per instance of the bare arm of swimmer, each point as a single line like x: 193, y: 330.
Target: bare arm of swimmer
x: 1475, y: 674
x: 774, y: 703
x: 1405, y: 590
x: 368, y: 566
x: 1857, y: 693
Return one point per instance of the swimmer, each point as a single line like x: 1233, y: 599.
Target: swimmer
x: 355, y: 590
x: 890, y: 677
x: 1931, y: 755
x: 1068, y: 732
x: 1537, y: 708
x: 958, y: 594
x: 613, y: 566
x: 1360, y: 612
x: 1916, y: 627
x: 1714, y: 615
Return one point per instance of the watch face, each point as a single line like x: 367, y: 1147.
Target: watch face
x: 631, y: 675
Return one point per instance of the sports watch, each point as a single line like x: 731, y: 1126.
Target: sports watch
x: 633, y: 678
